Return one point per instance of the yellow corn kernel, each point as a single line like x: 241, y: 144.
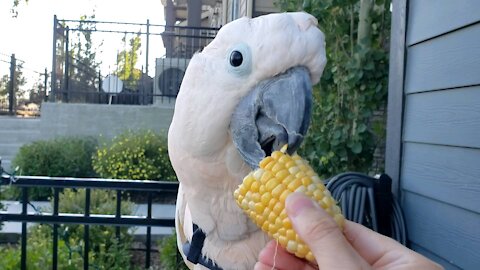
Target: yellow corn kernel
x: 255, y: 186
x: 263, y: 192
x: 266, y: 198
x: 265, y: 161
x: 282, y: 240
x: 284, y: 195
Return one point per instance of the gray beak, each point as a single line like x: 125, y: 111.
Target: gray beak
x: 274, y: 113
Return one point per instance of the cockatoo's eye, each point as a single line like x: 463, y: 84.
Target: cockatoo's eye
x: 239, y: 59
x: 236, y: 58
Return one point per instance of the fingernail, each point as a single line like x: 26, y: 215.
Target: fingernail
x: 296, y: 203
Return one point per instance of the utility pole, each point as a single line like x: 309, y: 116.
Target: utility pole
x: 11, y: 85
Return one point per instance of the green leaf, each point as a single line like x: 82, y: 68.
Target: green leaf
x: 337, y: 134
x: 369, y: 66
x: 357, y: 148
x: 361, y: 128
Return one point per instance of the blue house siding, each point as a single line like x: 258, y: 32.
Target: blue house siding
x: 434, y: 257
x: 448, y: 117
x: 445, y: 230
x: 451, y: 60
x: 438, y: 169
x: 435, y: 171
x: 430, y: 18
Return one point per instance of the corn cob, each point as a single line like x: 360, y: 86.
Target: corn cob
x: 263, y: 192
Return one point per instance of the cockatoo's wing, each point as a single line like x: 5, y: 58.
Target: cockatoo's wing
x: 183, y: 224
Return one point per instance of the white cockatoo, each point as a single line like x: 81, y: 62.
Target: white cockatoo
x: 246, y: 94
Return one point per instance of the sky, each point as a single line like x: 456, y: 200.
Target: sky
x: 29, y: 36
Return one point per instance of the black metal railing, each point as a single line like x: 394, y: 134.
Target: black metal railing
x: 78, y: 79
x: 86, y: 219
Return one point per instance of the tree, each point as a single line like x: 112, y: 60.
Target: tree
x: 346, y: 124
x: 126, y: 61
x: 4, y: 87
x: 20, y: 81
x: 15, y: 5
x: 84, y: 67
x: 37, y: 93
x: 3, y: 95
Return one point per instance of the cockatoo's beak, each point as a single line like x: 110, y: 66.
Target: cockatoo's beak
x: 274, y: 113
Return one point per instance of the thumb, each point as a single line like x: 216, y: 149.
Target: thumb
x: 322, y: 235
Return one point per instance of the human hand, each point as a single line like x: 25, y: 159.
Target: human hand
x: 357, y: 248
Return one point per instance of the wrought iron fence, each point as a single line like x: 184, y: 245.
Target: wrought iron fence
x: 56, y: 218
x: 81, y: 72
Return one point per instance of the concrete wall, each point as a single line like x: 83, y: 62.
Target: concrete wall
x: 58, y: 119
x: 15, y: 132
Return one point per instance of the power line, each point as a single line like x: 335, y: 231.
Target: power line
x: 19, y: 62
x: 4, y: 54
x: 10, y: 56
x: 32, y: 70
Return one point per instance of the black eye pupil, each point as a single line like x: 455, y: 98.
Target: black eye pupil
x: 236, y: 58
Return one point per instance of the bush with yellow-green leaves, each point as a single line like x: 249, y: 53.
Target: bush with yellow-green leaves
x: 140, y: 155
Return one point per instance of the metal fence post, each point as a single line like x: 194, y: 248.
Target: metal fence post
x: 23, y: 257
x: 55, y: 230
x: 67, y: 66
x: 54, y: 62
x: 86, y: 230
x: 99, y: 86
x: 11, y: 85
x: 147, y: 47
x: 149, y: 231
x: 45, y: 98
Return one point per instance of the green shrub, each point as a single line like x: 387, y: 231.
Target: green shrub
x: 39, y: 252
x: 139, y: 155
x: 105, y: 251
x: 101, y: 202
x: 347, y: 123
x: 170, y: 258
x: 66, y: 156
x: 39, y: 255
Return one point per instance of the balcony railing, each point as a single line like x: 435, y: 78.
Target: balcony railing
x: 86, y: 219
